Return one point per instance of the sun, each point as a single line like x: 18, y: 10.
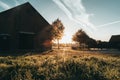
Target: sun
x: 66, y: 39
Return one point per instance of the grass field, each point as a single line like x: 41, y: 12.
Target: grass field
x: 60, y: 65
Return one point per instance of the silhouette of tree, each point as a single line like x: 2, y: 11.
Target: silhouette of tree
x: 57, y: 30
x: 91, y: 43
x: 82, y: 38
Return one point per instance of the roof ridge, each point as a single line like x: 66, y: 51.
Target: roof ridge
x: 23, y: 5
x: 115, y: 35
x: 16, y: 6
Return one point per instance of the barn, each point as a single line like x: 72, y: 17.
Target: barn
x: 23, y: 28
x: 115, y: 41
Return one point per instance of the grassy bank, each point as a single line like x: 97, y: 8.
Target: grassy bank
x: 60, y: 67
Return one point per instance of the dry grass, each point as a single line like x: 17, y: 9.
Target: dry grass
x: 61, y: 65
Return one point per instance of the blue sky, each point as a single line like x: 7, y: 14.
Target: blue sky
x: 99, y: 18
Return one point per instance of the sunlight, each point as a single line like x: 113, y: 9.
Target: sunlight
x: 66, y: 39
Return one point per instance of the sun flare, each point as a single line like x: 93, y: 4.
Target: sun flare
x: 66, y: 39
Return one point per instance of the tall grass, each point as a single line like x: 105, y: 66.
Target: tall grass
x: 60, y: 67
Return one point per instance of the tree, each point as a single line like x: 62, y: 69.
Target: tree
x: 57, y: 30
x: 83, y: 39
x: 91, y: 43
x: 80, y: 36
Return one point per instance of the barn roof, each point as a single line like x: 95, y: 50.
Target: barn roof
x: 23, y: 18
x: 115, y: 38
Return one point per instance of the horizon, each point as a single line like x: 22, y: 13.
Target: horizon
x: 88, y: 15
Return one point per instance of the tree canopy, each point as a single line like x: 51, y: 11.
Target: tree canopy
x: 82, y: 38
x: 57, y: 30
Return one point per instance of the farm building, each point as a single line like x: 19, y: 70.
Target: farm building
x: 115, y: 41
x: 23, y: 28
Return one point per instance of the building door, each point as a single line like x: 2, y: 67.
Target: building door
x: 26, y: 40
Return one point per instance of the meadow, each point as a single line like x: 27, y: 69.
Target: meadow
x: 60, y: 65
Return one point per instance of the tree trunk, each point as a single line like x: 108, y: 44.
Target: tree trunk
x: 58, y: 43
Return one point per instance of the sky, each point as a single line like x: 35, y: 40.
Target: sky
x: 100, y: 19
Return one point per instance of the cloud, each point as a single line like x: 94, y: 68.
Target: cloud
x: 16, y: 2
x: 4, y: 5
x: 107, y: 24
x: 75, y: 10
x: 25, y: 0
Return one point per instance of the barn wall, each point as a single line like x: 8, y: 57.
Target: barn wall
x: 25, y: 18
